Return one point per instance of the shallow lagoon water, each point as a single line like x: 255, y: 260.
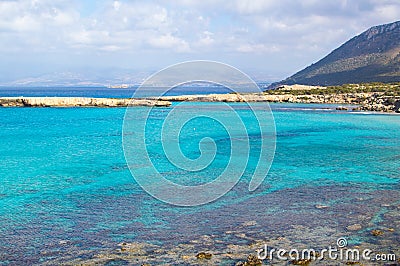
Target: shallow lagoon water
x: 67, y: 195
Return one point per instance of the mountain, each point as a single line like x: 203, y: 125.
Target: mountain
x: 98, y: 78
x: 372, y: 56
x: 84, y: 78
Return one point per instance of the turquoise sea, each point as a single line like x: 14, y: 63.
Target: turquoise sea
x: 67, y: 195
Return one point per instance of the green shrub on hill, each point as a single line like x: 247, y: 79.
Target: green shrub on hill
x: 389, y: 89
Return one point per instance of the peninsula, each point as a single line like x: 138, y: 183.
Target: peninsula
x: 377, y: 97
x: 78, y: 102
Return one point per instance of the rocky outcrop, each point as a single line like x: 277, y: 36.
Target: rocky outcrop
x: 397, y: 106
x: 77, y: 102
x: 232, y: 97
x: 380, y: 103
x: 260, y: 97
x: 377, y: 102
x: 374, y: 101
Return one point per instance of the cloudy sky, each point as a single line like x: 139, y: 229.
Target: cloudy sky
x: 268, y: 39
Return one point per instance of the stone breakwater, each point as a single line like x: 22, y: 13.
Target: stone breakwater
x: 77, y: 102
x: 377, y: 102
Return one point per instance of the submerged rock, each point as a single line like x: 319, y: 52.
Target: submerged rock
x: 376, y: 232
x: 252, y: 260
x: 397, y: 106
x: 320, y: 206
x: 204, y: 255
x: 301, y: 262
x: 354, y: 227
x: 249, y: 223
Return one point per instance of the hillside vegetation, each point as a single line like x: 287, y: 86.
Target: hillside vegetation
x: 388, y: 89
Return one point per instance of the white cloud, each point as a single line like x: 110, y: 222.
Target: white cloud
x: 206, y: 39
x: 110, y: 48
x: 251, y: 7
x: 257, y: 48
x: 116, y: 5
x: 171, y: 42
x: 231, y: 31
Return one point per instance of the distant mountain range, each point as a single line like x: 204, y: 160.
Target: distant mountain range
x: 92, y: 78
x: 115, y: 78
x: 372, y: 56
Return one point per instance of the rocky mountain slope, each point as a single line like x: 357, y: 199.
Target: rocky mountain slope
x: 372, y: 56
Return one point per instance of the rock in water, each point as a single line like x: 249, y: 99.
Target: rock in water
x: 251, y: 261
x: 397, y: 106
x: 204, y: 255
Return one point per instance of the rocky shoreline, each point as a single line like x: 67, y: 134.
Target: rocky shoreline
x: 77, y: 102
x: 374, y: 101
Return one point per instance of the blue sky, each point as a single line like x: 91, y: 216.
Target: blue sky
x: 267, y: 39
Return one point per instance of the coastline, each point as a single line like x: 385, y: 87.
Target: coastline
x: 78, y: 102
x: 374, y: 101
x: 365, y: 101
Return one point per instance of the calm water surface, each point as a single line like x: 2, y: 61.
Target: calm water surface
x: 65, y: 186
